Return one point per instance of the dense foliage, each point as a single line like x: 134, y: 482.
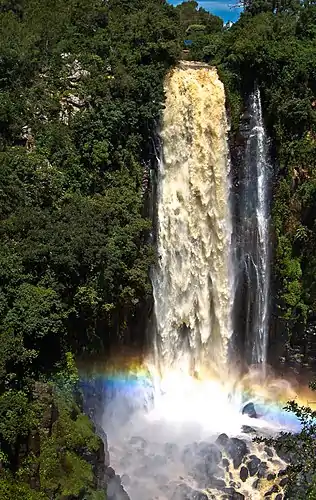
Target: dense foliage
x: 299, y: 451
x: 81, y: 86
x: 81, y: 90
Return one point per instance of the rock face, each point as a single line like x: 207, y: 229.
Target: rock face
x: 225, y: 469
x: 236, y: 449
x: 249, y: 409
x: 253, y: 464
x: 243, y: 473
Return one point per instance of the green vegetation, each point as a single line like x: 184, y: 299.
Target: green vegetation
x: 81, y: 91
x: 81, y: 87
x: 299, y: 451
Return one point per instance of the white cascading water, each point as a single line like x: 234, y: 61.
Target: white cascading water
x: 255, y: 237
x: 192, y: 285
x: 157, y: 416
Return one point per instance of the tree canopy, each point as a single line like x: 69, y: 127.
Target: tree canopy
x: 81, y: 89
x: 81, y: 92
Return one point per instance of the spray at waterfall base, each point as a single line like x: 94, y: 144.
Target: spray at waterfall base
x: 161, y: 417
x: 156, y: 424
x: 215, y: 405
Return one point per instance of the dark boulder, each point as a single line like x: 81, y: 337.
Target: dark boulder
x: 248, y: 430
x: 110, y: 472
x: 268, y: 451
x: 253, y: 464
x: 256, y: 484
x: 217, y: 483
x: 115, y: 490
x: 225, y: 463
x: 236, y: 449
x: 279, y: 497
x: 272, y: 490
x: 243, y: 474
x: 282, y: 472
x: 222, y: 440
x: 249, y: 409
x: 271, y: 476
x: 229, y: 491
x: 232, y: 494
x: 207, y: 457
x: 209, y: 450
x: 283, y: 482
x: 184, y: 492
x: 262, y: 470
x: 237, y: 496
x: 233, y: 484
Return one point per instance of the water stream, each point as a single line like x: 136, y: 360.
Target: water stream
x: 165, y: 415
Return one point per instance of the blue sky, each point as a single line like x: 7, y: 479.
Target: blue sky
x: 222, y: 8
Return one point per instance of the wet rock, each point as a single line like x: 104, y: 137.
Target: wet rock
x: 271, y: 476
x: 233, y: 484
x: 268, y: 451
x: 248, y: 430
x: 262, y: 470
x: 229, y: 491
x: 218, y: 483
x: 207, y: 458
x: 233, y: 495
x: 236, y: 449
x: 222, y: 440
x: 184, y: 492
x: 256, y: 484
x: 243, y: 474
x: 272, y: 490
x: 198, y: 495
x: 253, y: 465
x: 277, y: 464
x: 115, y: 490
x: 209, y: 450
x: 238, y: 496
x: 284, y: 481
x: 249, y: 409
x: 110, y: 472
x: 225, y: 463
x: 282, y: 472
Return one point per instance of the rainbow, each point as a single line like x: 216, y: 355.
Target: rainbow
x: 175, y: 396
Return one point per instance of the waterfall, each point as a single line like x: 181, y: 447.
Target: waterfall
x: 254, y: 237
x: 192, y: 281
